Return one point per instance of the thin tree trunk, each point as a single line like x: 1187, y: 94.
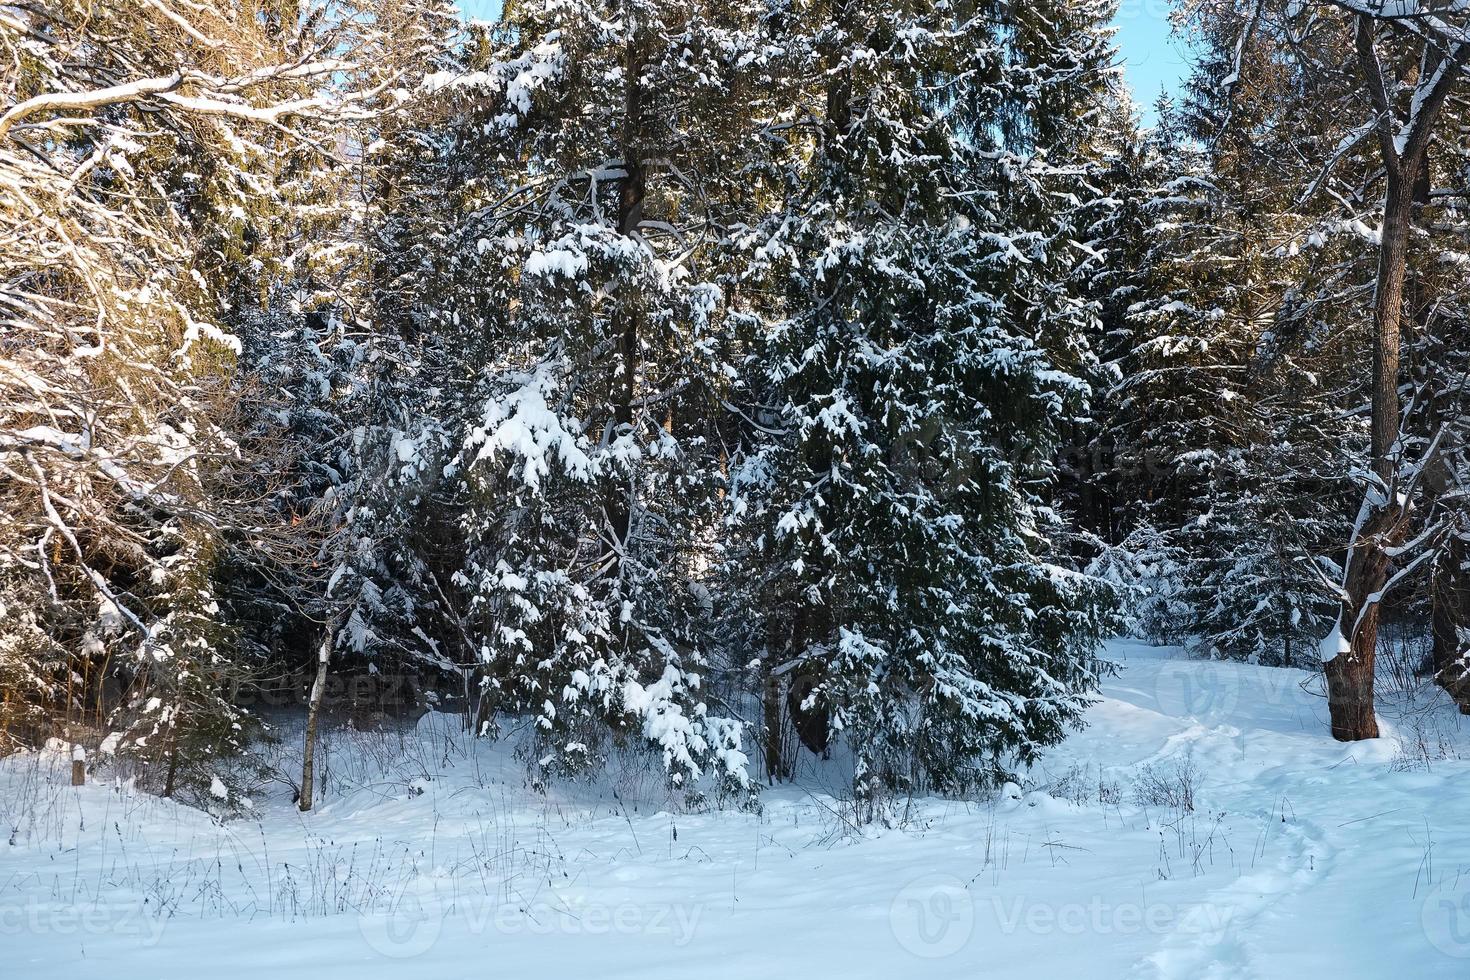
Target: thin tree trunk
x: 626, y: 320
x: 771, y: 724
x: 172, y: 773
x: 313, y: 716
x: 1450, y: 594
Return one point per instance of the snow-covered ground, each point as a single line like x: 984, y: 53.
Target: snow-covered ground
x: 1299, y: 857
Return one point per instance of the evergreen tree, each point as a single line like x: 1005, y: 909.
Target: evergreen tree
x: 906, y: 395
x: 577, y: 289
x: 1230, y: 391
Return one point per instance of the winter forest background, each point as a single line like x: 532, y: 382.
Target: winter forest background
x: 716, y: 377
x: 743, y: 386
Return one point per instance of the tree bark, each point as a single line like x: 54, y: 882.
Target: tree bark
x: 771, y: 724
x: 1450, y: 594
x: 172, y: 773
x: 626, y: 320
x: 313, y: 716
x: 1350, y: 673
x: 1405, y: 152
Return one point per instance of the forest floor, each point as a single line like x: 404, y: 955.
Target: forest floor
x: 1202, y: 825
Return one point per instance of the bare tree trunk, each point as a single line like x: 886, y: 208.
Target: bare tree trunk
x: 313, y: 715
x: 1405, y: 151
x: 771, y: 725
x: 1350, y: 672
x: 626, y: 320
x: 173, y: 769
x: 1450, y: 594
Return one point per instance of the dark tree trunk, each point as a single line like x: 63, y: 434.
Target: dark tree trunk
x: 1350, y: 672
x: 1450, y: 592
x: 626, y: 319
x: 813, y: 724
x: 771, y: 725
x: 171, y: 775
x: 1405, y: 154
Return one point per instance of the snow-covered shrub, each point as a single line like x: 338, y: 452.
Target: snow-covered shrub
x: 1150, y: 571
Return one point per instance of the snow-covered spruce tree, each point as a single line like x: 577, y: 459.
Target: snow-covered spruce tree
x: 1148, y: 568
x: 576, y: 284
x: 1254, y: 586
x: 1234, y: 371
x: 905, y: 391
x: 366, y: 426
x: 391, y: 442
x: 357, y: 608
x: 179, y: 723
x: 1109, y: 473
x: 1090, y: 478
